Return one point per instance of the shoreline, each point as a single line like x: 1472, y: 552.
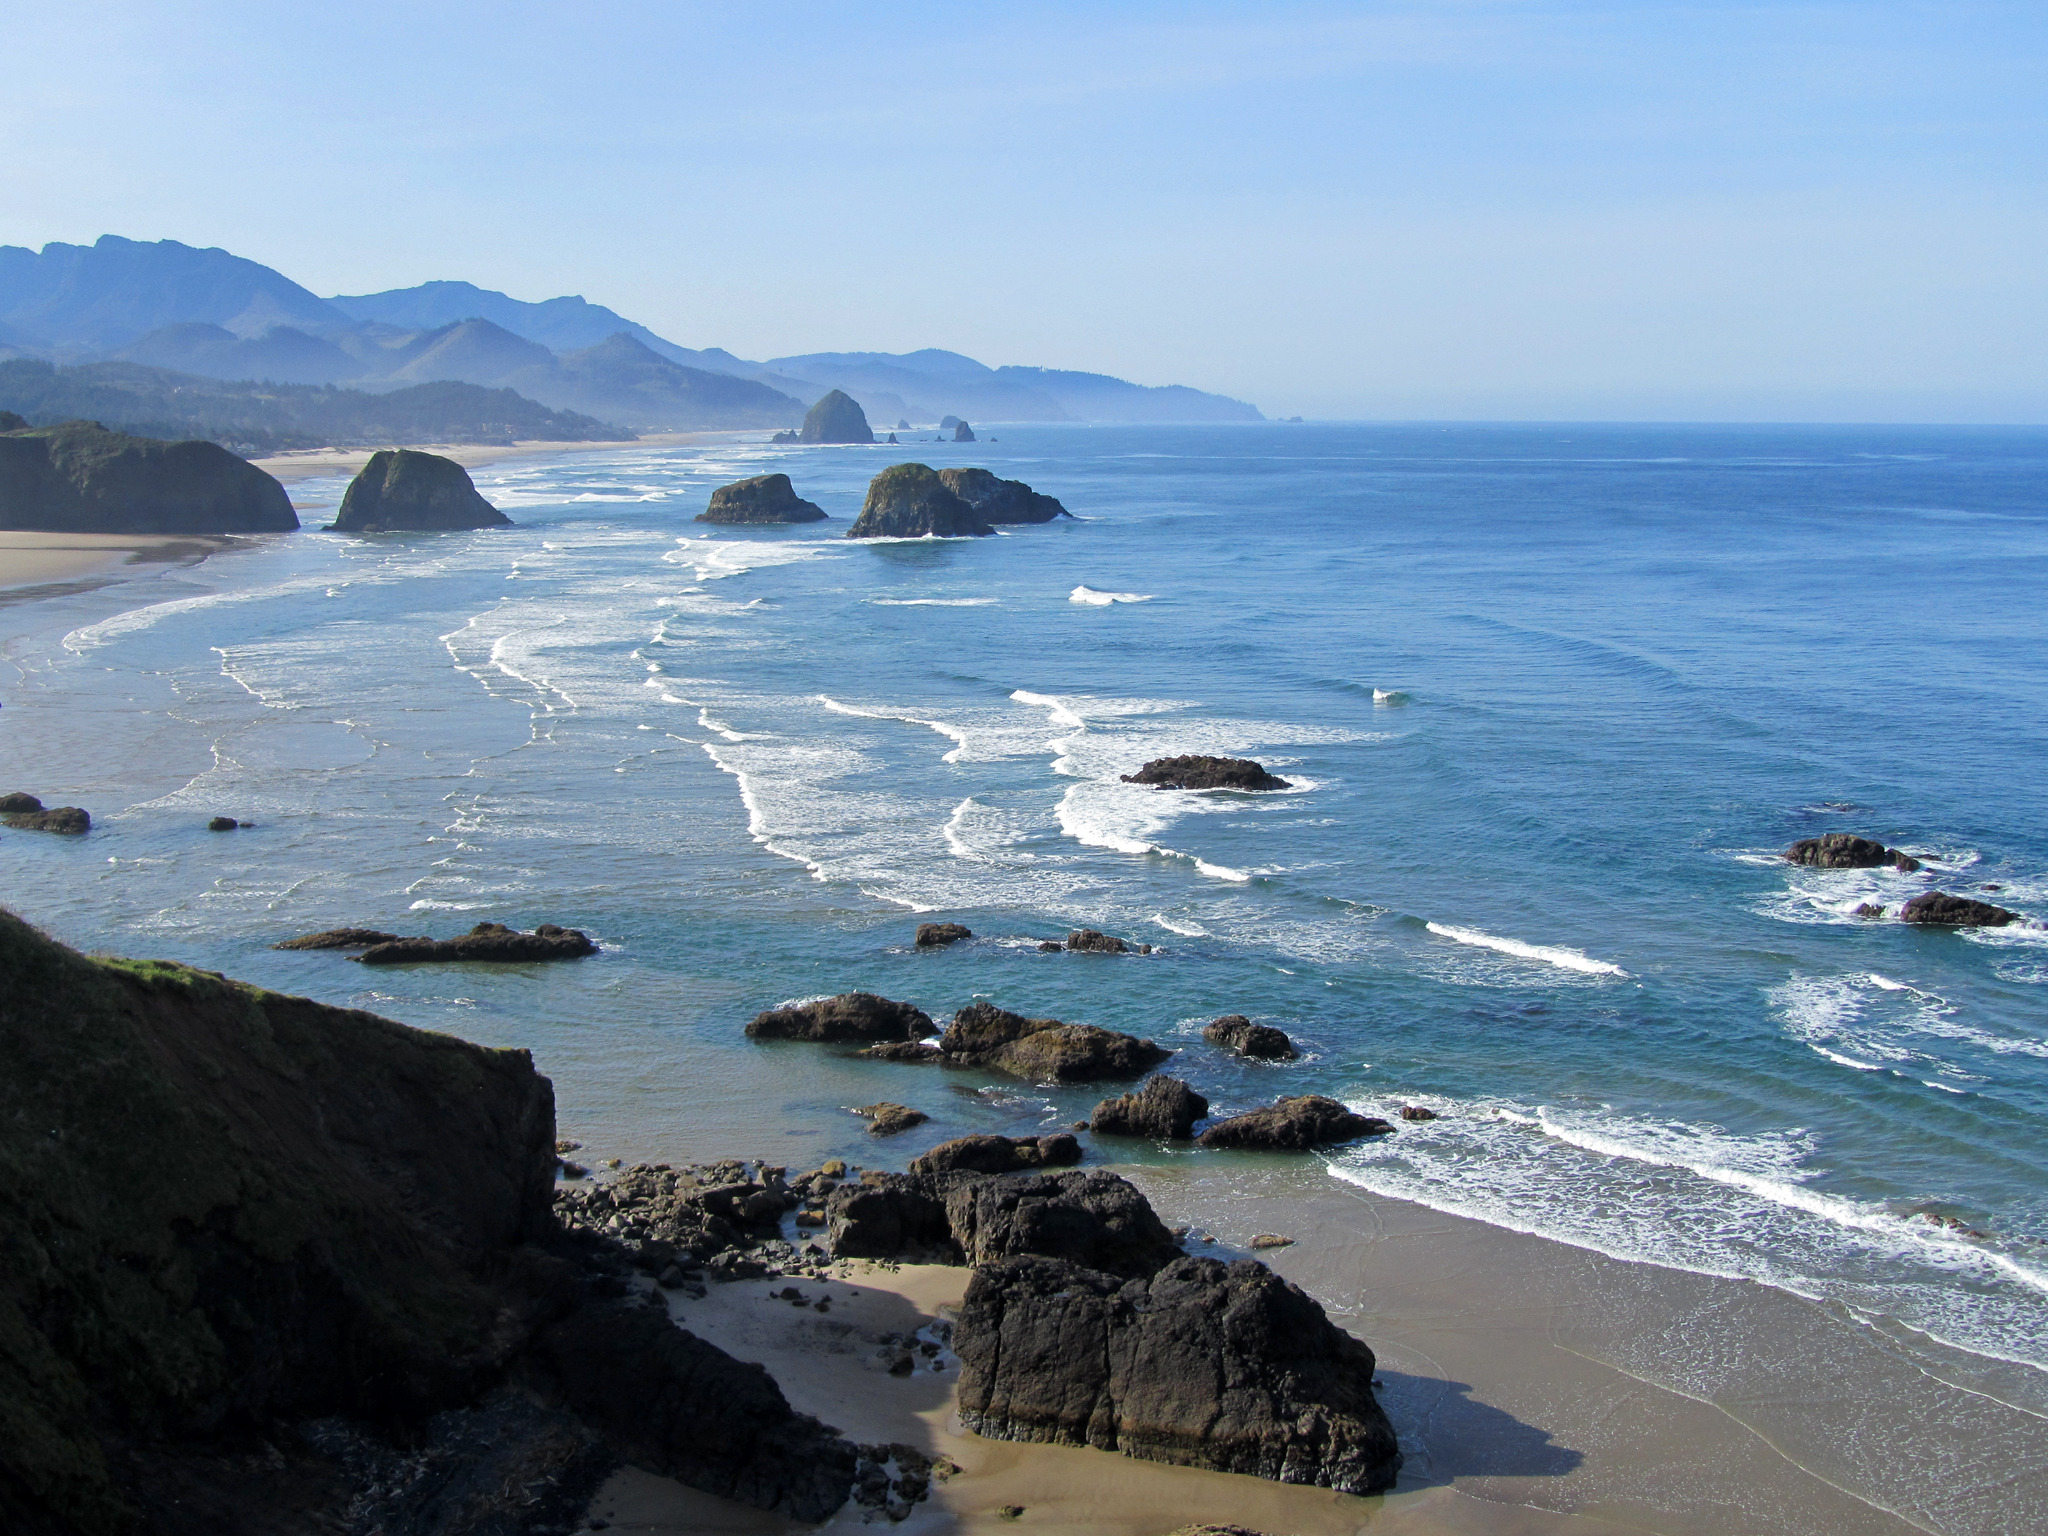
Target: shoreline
x: 316, y: 463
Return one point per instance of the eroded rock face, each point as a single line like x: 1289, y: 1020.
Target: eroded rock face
x: 851, y: 1016
x: 762, y: 499
x: 1261, y: 1042
x: 1001, y: 501
x: 910, y: 501
x: 1164, y: 1108
x: 67, y: 819
x: 81, y: 478
x: 837, y: 418
x: 1939, y: 909
x: 939, y: 935
x: 1293, y: 1125
x: 1843, y: 850
x: 1044, y: 1050
x: 486, y: 941
x: 402, y: 489
x: 1205, y: 773
x: 1203, y: 1364
x: 999, y: 1154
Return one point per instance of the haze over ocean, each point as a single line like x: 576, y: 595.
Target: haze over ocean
x: 1552, y: 699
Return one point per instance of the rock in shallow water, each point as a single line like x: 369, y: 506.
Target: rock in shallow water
x: 1001, y: 501
x: 1939, y: 909
x: 486, y: 941
x: 850, y: 1016
x: 1292, y: 1125
x: 67, y: 819
x: 1165, y: 1108
x: 939, y: 935
x: 910, y: 501
x: 999, y: 1154
x: 1261, y: 1042
x: 889, y: 1119
x: 761, y: 499
x: 1044, y: 1050
x: 1205, y: 773
x: 1845, y: 850
x: 402, y: 489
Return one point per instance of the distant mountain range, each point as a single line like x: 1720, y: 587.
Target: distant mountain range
x: 163, y: 305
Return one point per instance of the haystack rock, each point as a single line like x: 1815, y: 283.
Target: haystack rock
x: 1002, y: 501
x: 762, y: 499
x: 963, y: 433
x: 837, y: 418
x: 1205, y: 773
x: 404, y: 490
x: 81, y: 478
x: 910, y: 501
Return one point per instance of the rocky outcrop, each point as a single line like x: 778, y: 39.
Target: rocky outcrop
x: 404, y: 490
x: 1001, y: 501
x: 1417, y: 1112
x: 999, y: 1154
x: 1238, y: 1034
x: 939, y: 935
x: 19, y: 802
x: 67, y: 819
x: 903, y: 1050
x: 851, y: 1016
x: 1044, y: 1050
x: 762, y: 499
x: 1843, y: 850
x: 486, y: 941
x: 910, y: 501
x: 1090, y: 941
x: 888, y: 1119
x: 343, y: 938
x: 1939, y: 909
x: 837, y: 418
x: 1203, y: 1364
x: 1205, y: 773
x: 1164, y: 1108
x: 962, y: 433
x: 82, y: 478
x: 1293, y: 1125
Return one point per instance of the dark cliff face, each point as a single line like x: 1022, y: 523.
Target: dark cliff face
x: 762, y: 499
x: 1002, y: 501
x: 82, y: 478
x: 404, y: 489
x: 837, y: 418
x: 910, y: 501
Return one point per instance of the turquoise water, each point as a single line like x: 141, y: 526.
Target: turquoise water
x: 1551, y: 699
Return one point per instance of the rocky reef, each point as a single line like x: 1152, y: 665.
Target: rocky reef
x: 1939, y: 909
x: 761, y: 499
x: 1001, y: 501
x: 939, y: 935
x: 851, y: 1016
x: 402, y: 489
x: 25, y: 813
x: 1044, y: 1050
x: 82, y: 478
x: 1164, y: 1108
x: 999, y: 1154
x: 910, y: 501
x: 1845, y: 850
x: 1205, y: 773
x: 486, y: 941
x: 837, y: 418
x: 1293, y: 1125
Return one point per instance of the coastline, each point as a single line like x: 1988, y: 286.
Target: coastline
x: 315, y: 463
x: 36, y: 564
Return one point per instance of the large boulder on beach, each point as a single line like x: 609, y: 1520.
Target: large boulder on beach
x: 1203, y: 1364
x: 1939, y: 909
x: 999, y: 1154
x: 82, y: 478
x: 1293, y: 1125
x: 66, y: 819
x: 1164, y: 1108
x: 762, y: 499
x: 486, y: 941
x: 1844, y: 850
x: 402, y: 489
x: 1044, y: 1050
x: 1240, y: 1036
x: 1001, y: 501
x: 851, y: 1016
x: 1205, y: 773
x: 837, y: 418
x: 910, y: 501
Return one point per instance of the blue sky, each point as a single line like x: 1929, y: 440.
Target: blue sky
x: 1464, y: 208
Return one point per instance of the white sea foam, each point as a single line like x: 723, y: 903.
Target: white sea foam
x: 1549, y: 954
x: 933, y: 602
x: 1097, y: 599
x: 952, y: 733
x: 1389, y: 696
x: 717, y: 559
x: 1186, y: 930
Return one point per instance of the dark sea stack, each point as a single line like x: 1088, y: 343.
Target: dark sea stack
x: 890, y: 1119
x: 1205, y: 773
x: 837, y: 418
x: 762, y: 499
x: 404, y: 490
x: 1000, y: 1154
x: 1843, y: 850
x: 962, y: 433
x: 1090, y: 941
x: 1939, y: 909
x: 859, y: 1017
x: 1001, y: 501
x: 82, y: 478
x: 344, y: 938
x: 486, y: 941
x: 1292, y: 1125
x: 66, y: 819
x: 1044, y: 1050
x: 1164, y: 1108
x: 939, y: 935
x: 1238, y: 1034
x: 1203, y: 1364
x: 910, y: 501
x: 19, y: 801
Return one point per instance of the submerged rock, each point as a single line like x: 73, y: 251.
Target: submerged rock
x: 402, y: 489
x: 837, y: 418
x: 939, y: 935
x: 1261, y: 1042
x: 1000, y: 1154
x: 1938, y: 908
x: 1843, y: 850
x: 762, y: 499
x: 1164, y: 1108
x: 486, y: 941
x: 1205, y: 1364
x: 1044, y: 1050
x: 1001, y: 501
x: 1869, y: 909
x: 910, y: 501
x: 343, y: 938
x: 1205, y: 773
x: 1293, y: 1125
x: 82, y: 478
x: 67, y: 819
x: 848, y: 1017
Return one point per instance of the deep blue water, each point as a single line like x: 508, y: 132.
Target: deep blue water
x: 1536, y: 888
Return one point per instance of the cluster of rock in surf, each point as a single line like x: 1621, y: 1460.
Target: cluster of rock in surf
x: 1845, y: 850
x: 486, y: 941
x: 906, y: 501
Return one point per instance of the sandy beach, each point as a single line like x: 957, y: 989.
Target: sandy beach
x: 31, y: 561
x: 313, y: 463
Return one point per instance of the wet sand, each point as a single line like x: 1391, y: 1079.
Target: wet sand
x: 32, y: 561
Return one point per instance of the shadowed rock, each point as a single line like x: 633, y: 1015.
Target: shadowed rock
x: 81, y: 478
x: 910, y: 501
x: 1000, y: 1154
x: 1204, y: 1364
x: 1939, y: 909
x: 67, y: 819
x: 939, y: 935
x: 1843, y: 850
x: 402, y: 489
x: 837, y: 418
x: 1044, y: 1050
x: 962, y: 433
x: 1001, y: 501
x: 762, y: 499
x: 904, y: 1051
x: 1261, y: 1042
x: 1205, y: 773
x: 1164, y: 1108
x: 486, y: 941
x: 18, y: 802
x: 1293, y: 1125
x: 850, y: 1016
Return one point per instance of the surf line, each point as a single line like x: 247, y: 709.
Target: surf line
x: 950, y: 732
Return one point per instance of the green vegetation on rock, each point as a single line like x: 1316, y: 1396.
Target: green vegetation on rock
x: 837, y: 418
x: 910, y: 501
x: 80, y: 477
x: 401, y: 488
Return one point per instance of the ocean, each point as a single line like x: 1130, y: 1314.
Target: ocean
x: 1551, y: 701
